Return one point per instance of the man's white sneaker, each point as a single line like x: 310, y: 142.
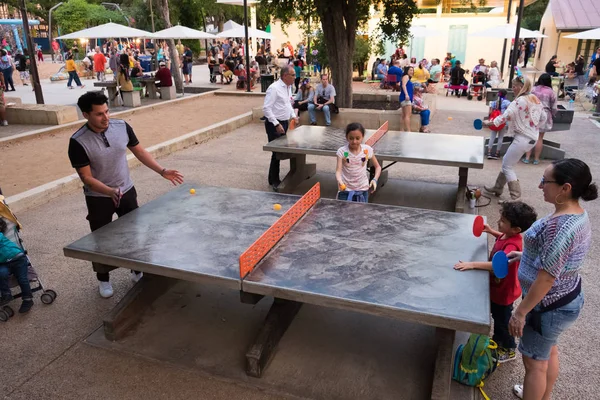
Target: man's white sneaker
x: 4, y: 123
x: 518, y: 391
x: 135, y: 278
x: 106, y: 289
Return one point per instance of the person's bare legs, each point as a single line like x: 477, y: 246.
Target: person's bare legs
x: 2, y: 114
x: 406, y: 113
x: 539, y: 146
x: 536, y: 375
x: 552, y: 373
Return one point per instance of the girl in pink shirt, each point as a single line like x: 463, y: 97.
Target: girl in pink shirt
x: 351, y: 172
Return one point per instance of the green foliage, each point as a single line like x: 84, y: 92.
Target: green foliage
x: 532, y: 15
x: 396, y: 18
x: 320, y: 47
x: 76, y: 15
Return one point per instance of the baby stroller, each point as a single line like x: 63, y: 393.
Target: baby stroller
x: 12, y: 233
x: 477, y: 86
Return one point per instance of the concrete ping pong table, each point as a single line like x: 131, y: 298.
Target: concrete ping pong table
x: 459, y: 151
x: 389, y: 261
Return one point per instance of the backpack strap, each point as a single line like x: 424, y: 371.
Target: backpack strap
x: 480, y: 387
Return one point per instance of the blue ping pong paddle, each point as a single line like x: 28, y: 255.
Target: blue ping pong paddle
x: 478, y: 124
x: 500, y: 264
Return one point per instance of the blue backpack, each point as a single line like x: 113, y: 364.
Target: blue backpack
x: 475, y: 361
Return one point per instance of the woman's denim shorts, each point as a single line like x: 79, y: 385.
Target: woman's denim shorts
x: 538, y: 345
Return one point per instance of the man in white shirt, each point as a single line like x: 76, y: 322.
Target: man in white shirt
x: 278, y: 110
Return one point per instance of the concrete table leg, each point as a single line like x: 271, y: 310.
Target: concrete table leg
x: 299, y: 172
x: 278, y: 319
x: 131, y: 307
x: 442, y: 375
x: 461, y: 194
x: 112, y: 96
x: 151, y: 90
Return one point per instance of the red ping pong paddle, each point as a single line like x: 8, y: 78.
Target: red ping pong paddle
x: 500, y: 264
x: 478, y: 226
x: 292, y: 124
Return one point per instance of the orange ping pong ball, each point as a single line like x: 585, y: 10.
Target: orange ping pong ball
x: 192, y: 191
x: 449, y: 118
x: 276, y: 207
x: 342, y: 187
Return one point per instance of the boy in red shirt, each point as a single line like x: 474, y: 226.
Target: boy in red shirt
x: 515, y: 217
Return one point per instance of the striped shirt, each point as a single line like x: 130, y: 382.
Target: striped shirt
x: 557, y: 245
x: 354, y: 167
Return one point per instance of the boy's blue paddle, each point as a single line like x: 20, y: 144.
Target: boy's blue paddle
x: 500, y: 264
x: 478, y: 124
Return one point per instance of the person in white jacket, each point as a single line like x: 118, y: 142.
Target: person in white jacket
x: 523, y: 118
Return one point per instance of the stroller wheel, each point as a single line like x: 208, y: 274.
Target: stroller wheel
x: 479, y: 98
x: 47, y: 298
x: 3, y: 316
x: 8, y: 311
x: 51, y: 293
x: 470, y: 97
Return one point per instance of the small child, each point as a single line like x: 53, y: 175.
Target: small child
x: 13, y: 260
x: 497, y: 107
x: 419, y: 107
x: 351, y: 171
x: 515, y: 218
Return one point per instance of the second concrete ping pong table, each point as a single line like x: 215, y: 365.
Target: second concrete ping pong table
x: 389, y: 261
x: 459, y: 151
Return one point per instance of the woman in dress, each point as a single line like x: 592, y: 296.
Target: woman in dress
x: 494, y: 75
x: 554, y: 251
x: 523, y: 118
x: 544, y: 92
x: 406, y: 97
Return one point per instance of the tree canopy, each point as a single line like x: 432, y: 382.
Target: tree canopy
x: 340, y: 20
x: 75, y: 15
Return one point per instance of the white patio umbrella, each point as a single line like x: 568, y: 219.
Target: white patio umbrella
x: 230, y: 25
x: 507, y: 32
x: 586, y: 35
x: 239, y: 33
x: 181, y: 32
x: 110, y: 30
x: 421, y: 32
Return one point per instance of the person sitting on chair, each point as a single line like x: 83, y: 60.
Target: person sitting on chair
x: 457, y: 78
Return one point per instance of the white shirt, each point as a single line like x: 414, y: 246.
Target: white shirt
x: 523, y: 118
x: 278, y: 103
x: 354, y: 166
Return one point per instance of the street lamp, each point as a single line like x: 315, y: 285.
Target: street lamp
x: 50, y: 27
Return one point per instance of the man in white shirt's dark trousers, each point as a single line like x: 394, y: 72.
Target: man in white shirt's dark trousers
x: 278, y: 110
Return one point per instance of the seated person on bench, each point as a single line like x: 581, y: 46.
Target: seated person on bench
x: 457, y: 78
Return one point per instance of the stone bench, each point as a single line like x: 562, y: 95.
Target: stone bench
x: 40, y: 114
x: 168, y: 93
x: 369, y: 118
x: 132, y: 99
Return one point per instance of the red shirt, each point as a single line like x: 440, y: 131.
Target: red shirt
x: 163, y: 75
x: 99, y: 62
x: 506, y: 290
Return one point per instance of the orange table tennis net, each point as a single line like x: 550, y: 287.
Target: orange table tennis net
x: 378, y: 134
x: 252, y: 256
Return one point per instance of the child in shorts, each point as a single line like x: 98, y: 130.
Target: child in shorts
x: 515, y: 218
x: 13, y: 260
x: 351, y: 172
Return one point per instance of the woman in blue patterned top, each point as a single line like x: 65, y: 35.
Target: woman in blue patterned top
x: 554, y: 249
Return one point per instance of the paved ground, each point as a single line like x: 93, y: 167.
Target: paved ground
x: 18, y: 173
x: 48, y: 360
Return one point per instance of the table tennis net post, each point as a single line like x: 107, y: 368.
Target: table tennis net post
x: 383, y: 129
x: 259, y: 249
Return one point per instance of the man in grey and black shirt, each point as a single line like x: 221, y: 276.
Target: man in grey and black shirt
x: 98, y: 152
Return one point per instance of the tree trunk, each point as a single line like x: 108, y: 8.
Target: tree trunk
x: 172, y: 49
x: 339, y: 21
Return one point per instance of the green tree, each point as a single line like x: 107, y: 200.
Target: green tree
x: 362, y: 51
x: 532, y: 15
x: 75, y: 15
x: 340, y: 20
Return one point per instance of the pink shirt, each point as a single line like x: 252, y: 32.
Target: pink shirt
x: 354, y: 167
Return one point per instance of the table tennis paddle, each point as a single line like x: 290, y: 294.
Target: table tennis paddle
x: 478, y: 226
x: 478, y: 124
x: 292, y: 124
x: 500, y: 264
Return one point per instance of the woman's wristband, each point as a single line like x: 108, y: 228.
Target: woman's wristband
x: 374, y: 180
x: 163, y: 172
